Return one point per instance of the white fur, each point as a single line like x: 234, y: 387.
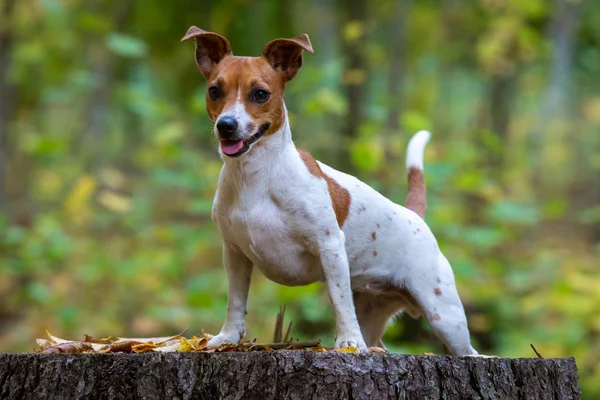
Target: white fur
x: 416, y: 148
x: 238, y: 112
x: 275, y: 215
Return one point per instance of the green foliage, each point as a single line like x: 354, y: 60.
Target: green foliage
x: 112, y: 168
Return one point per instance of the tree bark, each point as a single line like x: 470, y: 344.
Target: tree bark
x: 282, y: 375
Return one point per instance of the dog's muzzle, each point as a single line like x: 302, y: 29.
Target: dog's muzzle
x: 237, y: 147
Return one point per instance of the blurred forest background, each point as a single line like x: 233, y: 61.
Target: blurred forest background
x: 108, y: 165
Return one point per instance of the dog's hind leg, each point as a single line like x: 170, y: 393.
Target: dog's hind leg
x: 373, y: 313
x: 438, y: 300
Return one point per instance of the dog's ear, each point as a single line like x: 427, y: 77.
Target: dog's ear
x: 210, y: 48
x: 285, y: 55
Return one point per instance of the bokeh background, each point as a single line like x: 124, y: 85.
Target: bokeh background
x: 108, y: 165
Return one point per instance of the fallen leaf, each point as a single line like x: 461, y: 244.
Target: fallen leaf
x: 199, y: 343
x: 349, y: 349
x: 379, y: 350
x: 43, y: 343
x: 144, y: 347
x: 90, y: 339
x: 167, y: 348
x: 184, y: 346
x: 260, y: 347
x: 57, y: 340
x: 68, y: 348
x: 155, y: 340
x: 123, y: 347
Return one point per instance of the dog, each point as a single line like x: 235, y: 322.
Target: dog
x: 300, y: 221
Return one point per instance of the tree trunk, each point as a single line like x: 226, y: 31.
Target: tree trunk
x: 7, y: 92
x: 282, y: 375
x: 355, y: 76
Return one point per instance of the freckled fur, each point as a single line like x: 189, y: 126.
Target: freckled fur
x: 276, y: 211
x: 340, y: 197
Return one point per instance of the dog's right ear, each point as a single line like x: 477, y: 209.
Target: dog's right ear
x: 210, y: 48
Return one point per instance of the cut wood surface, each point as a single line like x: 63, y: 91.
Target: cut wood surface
x: 283, y: 375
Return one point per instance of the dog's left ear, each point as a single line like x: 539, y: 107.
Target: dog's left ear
x: 285, y: 55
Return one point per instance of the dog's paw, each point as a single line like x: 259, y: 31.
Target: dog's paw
x: 224, y: 337
x: 354, y: 340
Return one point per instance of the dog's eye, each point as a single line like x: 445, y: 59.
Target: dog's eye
x: 260, y: 96
x: 214, y: 92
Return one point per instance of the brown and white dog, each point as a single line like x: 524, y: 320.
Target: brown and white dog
x: 300, y: 221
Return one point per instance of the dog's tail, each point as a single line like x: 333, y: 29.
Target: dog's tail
x: 416, y: 199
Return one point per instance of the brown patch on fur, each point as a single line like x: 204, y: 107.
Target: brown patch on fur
x: 437, y: 291
x: 438, y: 280
x: 245, y: 75
x: 327, y: 233
x: 436, y: 317
x: 340, y: 197
x: 374, y: 253
x: 374, y: 235
x: 416, y: 199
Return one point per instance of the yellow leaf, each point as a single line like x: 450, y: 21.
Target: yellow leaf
x: 349, y: 349
x: 78, y: 201
x: 184, y: 345
x: 144, y: 347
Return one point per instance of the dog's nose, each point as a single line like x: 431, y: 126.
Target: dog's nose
x: 227, y: 127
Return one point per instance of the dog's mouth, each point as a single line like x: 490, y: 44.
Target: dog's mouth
x: 235, y: 148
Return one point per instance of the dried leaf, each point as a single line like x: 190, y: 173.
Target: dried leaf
x: 379, y: 350
x: 43, y: 343
x: 228, y: 347
x: 99, y: 347
x: 260, y: 347
x: 144, y: 347
x: 90, y: 339
x: 207, y: 335
x: 155, y: 340
x: 184, y: 346
x: 123, y: 347
x: 68, y: 348
x: 57, y: 340
x: 199, y: 343
x: 171, y: 348
x: 349, y: 349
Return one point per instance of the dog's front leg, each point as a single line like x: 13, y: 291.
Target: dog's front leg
x: 337, y: 274
x: 239, y: 273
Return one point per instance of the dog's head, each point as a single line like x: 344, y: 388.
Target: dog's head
x: 244, y: 95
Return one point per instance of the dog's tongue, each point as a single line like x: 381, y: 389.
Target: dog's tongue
x: 231, y: 146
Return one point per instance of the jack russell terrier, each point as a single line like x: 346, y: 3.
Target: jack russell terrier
x: 300, y: 221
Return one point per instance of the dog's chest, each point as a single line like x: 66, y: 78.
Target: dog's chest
x: 266, y: 234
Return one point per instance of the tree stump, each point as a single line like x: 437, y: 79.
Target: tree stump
x: 283, y: 375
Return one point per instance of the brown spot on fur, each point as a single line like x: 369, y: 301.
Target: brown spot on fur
x: 416, y: 199
x: 375, y: 253
x: 327, y: 233
x: 438, y: 280
x: 340, y: 197
x: 374, y: 235
x: 437, y: 291
x: 435, y: 317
